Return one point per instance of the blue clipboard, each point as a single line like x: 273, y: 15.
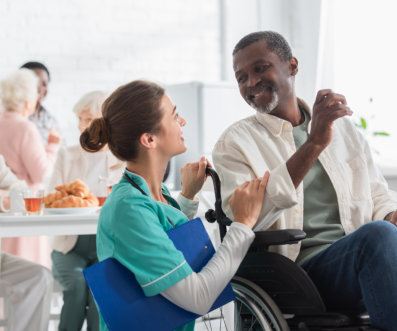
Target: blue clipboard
x: 121, y: 301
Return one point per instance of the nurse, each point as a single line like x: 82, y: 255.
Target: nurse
x: 141, y: 126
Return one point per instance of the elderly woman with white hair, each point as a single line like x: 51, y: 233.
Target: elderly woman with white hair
x: 20, y: 141
x: 72, y: 254
x: 24, y: 152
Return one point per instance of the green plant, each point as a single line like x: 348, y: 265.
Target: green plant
x: 363, y: 125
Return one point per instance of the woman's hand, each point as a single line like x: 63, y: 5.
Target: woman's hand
x: 54, y: 137
x: 246, y: 201
x: 193, y: 177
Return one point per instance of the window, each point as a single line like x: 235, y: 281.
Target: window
x: 359, y: 48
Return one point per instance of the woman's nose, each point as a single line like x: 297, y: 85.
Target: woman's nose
x: 182, y: 121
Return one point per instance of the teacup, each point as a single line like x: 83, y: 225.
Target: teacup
x: 16, y: 203
x: 33, y: 201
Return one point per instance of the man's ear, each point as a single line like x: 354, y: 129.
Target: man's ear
x: 293, y: 63
x: 147, y: 140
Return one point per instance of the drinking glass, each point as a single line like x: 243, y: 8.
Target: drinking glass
x: 101, y: 191
x: 33, y: 201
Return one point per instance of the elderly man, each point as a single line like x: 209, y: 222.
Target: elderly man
x: 322, y: 179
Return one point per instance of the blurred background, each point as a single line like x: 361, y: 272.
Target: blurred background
x: 346, y: 45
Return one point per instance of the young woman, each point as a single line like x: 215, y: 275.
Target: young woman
x: 141, y: 126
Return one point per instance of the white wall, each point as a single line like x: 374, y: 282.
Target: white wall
x: 297, y: 21
x: 100, y: 44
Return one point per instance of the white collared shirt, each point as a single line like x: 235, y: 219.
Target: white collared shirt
x: 265, y: 142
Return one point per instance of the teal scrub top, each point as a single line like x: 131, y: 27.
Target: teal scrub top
x: 132, y: 229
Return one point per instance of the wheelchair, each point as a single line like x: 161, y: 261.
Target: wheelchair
x: 274, y: 293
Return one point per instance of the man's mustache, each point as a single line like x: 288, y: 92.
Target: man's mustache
x: 250, y: 95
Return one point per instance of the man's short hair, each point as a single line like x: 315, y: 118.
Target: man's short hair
x: 36, y: 65
x: 275, y: 43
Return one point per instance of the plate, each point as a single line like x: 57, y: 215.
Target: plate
x: 70, y: 211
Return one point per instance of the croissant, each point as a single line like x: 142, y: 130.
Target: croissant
x: 73, y: 194
x: 50, y: 198
x: 92, y: 200
x: 73, y: 201
x: 76, y: 188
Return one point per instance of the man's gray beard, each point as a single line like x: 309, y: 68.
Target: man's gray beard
x: 268, y: 108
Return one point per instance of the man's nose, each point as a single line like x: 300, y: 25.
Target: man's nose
x: 253, y: 80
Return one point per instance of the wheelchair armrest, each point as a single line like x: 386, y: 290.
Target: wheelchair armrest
x: 278, y: 237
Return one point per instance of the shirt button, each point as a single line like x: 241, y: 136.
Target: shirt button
x: 298, y: 210
x: 286, y: 126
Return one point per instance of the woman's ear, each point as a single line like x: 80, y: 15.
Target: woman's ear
x: 26, y: 108
x: 147, y: 140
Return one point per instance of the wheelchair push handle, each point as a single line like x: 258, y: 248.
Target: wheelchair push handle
x: 217, y: 214
x: 263, y: 238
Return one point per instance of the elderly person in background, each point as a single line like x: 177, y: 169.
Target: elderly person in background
x: 45, y: 122
x: 24, y: 152
x: 28, y: 286
x: 72, y: 254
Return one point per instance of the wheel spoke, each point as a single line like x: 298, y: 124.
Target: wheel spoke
x: 254, y: 309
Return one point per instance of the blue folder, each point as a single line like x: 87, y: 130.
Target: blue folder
x: 121, y: 301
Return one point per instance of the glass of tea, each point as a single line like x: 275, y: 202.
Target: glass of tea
x: 33, y: 201
x: 101, y: 190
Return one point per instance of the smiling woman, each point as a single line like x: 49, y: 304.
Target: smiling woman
x: 141, y: 126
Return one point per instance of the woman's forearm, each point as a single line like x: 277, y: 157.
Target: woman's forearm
x: 198, y: 291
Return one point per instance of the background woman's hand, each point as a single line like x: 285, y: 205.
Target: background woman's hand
x: 246, y: 201
x: 54, y: 137
x: 193, y: 177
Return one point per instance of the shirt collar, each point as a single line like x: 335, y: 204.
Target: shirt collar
x: 276, y: 125
x: 140, y: 181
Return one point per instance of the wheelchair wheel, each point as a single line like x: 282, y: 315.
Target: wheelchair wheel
x: 254, y: 309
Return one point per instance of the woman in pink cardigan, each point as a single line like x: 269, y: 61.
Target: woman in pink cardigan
x: 24, y: 152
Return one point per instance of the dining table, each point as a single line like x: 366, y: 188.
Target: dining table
x: 72, y: 221
x: 78, y: 221
x: 47, y: 224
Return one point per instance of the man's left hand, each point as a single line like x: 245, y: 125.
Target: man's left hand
x: 392, y: 217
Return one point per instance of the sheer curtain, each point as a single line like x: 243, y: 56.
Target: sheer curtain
x: 356, y: 58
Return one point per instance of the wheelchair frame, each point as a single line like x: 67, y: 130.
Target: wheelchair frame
x: 273, y: 292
